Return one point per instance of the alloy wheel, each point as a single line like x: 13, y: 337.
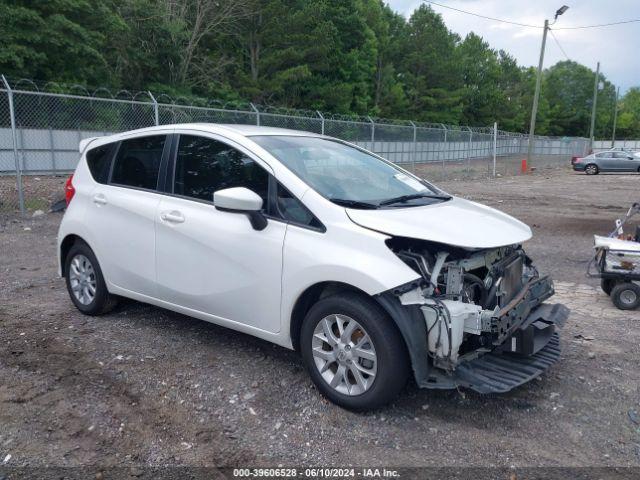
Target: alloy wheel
x: 344, y: 354
x: 82, y: 278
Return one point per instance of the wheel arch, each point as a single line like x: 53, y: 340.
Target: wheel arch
x: 65, y: 246
x: 308, y: 298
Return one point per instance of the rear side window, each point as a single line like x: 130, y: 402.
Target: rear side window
x: 137, y: 163
x: 99, y: 162
x: 204, y: 165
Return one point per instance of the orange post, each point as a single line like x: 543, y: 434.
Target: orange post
x: 523, y: 166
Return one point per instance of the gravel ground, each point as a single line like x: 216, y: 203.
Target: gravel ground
x: 145, y: 386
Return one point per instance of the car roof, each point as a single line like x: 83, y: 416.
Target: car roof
x: 224, y: 129
x: 239, y: 129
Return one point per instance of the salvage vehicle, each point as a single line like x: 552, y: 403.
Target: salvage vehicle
x: 617, y: 263
x: 370, y: 272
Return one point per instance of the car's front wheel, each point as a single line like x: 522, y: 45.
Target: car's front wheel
x: 85, y: 283
x: 353, y: 351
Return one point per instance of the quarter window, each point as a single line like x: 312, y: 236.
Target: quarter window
x: 138, y: 162
x: 204, y: 165
x: 99, y: 162
x: 292, y: 210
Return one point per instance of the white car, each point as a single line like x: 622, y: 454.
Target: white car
x: 315, y: 244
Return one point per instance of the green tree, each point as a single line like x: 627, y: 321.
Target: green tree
x: 629, y: 115
x: 430, y: 70
x: 60, y: 40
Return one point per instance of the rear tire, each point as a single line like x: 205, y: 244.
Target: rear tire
x: 607, y: 285
x: 353, y: 352
x: 591, y: 169
x: 626, y: 296
x: 85, y: 283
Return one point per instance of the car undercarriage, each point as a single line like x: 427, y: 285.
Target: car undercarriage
x: 475, y: 318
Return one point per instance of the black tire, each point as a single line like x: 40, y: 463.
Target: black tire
x: 623, y: 295
x: 392, y: 363
x: 102, y: 301
x: 606, y: 284
x: 591, y: 169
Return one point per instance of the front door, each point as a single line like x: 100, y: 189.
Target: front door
x: 213, y: 261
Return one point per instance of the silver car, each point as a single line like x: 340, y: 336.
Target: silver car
x: 609, y: 161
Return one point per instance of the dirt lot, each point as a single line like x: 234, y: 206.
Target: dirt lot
x: 144, y: 386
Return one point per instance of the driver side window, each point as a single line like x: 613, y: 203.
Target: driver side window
x: 204, y: 165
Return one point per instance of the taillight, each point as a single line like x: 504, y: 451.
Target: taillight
x: 575, y: 160
x: 69, y: 190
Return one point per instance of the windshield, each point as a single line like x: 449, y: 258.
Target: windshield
x: 347, y: 175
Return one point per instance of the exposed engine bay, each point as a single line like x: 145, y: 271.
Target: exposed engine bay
x: 477, y: 301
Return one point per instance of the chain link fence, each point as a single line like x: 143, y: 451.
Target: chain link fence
x: 40, y: 128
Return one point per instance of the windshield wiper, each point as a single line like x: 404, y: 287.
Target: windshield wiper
x: 354, y: 203
x: 413, y: 196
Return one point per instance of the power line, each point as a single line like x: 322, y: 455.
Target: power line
x: 635, y: 20
x: 484, y: 16
x: 558, y: 43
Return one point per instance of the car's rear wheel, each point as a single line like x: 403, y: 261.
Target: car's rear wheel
x: 626, y: 296
x: 353, y: 352
x: 85, y: 283
x: 591, y: 169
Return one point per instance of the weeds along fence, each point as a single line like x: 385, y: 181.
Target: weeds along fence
x: 41, y: 126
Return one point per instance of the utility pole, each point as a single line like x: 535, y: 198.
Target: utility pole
x: 536, y: 95
x: 615, y: 119
x: 593, y: 107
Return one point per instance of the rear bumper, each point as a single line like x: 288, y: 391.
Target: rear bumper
x: 578, y: 167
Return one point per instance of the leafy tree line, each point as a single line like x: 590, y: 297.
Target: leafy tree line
x: 340, y: 56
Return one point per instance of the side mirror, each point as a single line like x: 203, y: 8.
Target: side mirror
x: 241, y: 200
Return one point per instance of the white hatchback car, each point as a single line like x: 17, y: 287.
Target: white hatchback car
x: 311, y: 243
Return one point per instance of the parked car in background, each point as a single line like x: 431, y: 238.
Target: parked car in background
x: 615, y: 160
x: 315, y: 244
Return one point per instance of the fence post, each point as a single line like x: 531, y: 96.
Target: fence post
x: 257, y: 112
x: 155, y: 108
x: 322, y: 124
x: 415, y: 148
x: 445, y: 151
x: 373, y: 131
x: 495, y: 146
x: 469, y: 150
x: 15, y: 145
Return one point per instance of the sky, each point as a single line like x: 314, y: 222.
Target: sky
x: 616, y: 47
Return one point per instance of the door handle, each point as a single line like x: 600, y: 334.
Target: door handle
x: 173, y: 216
x: 99, y: 199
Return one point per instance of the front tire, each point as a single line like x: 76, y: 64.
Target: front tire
x: 591, y: 169
x: 85, y: 283
x: 353, y: 352
x: 626, y: 296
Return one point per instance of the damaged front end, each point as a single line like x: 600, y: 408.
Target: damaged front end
x: 476, y: 318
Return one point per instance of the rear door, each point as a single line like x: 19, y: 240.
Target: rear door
x: 605, y: 161
x: 213, y: 261
x: 123, y: 214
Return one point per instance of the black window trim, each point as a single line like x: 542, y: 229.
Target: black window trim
x: 162, y: 167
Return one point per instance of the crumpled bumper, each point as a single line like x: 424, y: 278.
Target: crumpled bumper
x: 511, y: 365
